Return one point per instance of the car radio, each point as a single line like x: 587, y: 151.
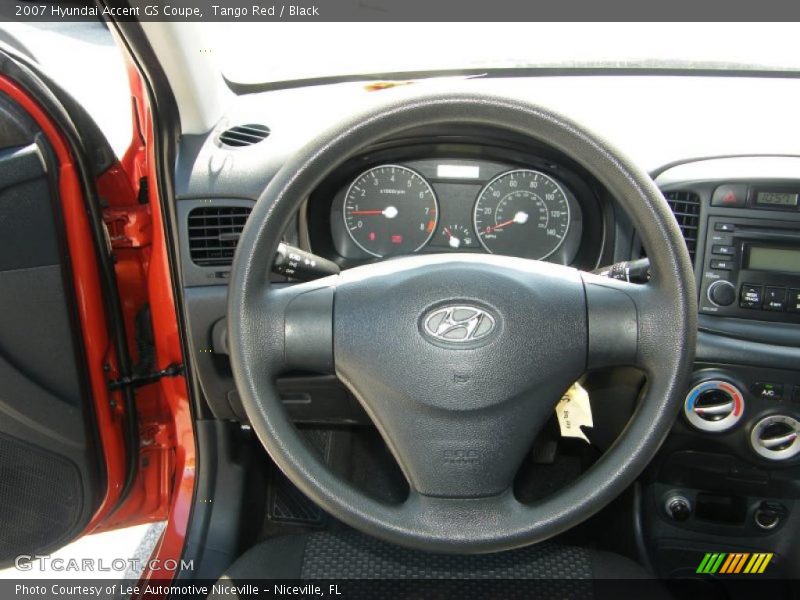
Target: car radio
x: 751, y: 269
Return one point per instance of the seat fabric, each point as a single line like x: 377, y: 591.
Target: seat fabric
x: 548, y: 569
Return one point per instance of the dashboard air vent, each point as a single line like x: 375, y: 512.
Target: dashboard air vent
x: 686, y: 208
x: 244, y: 135
x: 214, y: 232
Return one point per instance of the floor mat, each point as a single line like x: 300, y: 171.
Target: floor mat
x: 286, y: 503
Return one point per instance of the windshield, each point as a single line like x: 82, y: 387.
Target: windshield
x: 286, y: 52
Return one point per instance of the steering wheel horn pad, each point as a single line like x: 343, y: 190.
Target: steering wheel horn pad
x: 459, y: 410
x: 460, y: 419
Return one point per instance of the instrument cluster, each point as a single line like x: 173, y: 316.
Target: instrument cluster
x: 388, y: 208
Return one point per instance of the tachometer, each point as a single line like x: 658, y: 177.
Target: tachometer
x: 390, y: 210
x: 522, y: 213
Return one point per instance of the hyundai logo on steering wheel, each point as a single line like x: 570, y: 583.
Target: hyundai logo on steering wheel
x: 459, y: 324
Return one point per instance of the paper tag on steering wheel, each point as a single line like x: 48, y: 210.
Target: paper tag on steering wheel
x: 574, y: 412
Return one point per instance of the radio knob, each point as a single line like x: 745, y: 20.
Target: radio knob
x: 722, y: 293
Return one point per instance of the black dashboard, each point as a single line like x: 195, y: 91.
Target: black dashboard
x: 730, y: 469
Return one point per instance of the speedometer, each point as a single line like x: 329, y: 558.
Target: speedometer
x: 522, y: 213
x: 390, y: 210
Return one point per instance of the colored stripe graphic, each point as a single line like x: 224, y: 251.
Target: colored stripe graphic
x: 711, y: 563
x: 734, y: 563
x: 728, y: 562
x: 736, y: 560
x: 740, y: 562
x: 753, y: 563
x: 767, y: 558
x: 703, y: 563
x: 758, y: 563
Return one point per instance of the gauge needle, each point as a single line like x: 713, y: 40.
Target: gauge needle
x: 390, y: 212
x: 453, y: 240
x: 521, y: 217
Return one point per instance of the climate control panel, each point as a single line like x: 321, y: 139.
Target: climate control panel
x: 754, y: 411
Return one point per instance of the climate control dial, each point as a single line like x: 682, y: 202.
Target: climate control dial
x: 776, y: 437
x: 714, y: 406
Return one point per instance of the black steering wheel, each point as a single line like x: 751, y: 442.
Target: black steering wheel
x: 460, y: 414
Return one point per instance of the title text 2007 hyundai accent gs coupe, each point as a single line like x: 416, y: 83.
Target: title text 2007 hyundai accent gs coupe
x: 404, y: 318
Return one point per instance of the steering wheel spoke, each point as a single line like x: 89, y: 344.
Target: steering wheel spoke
x: 622, y: 322
x: 295, y: 326
x: 452, y: 514
x: 452, y: 454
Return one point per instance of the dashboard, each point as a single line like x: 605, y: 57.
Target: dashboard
x: 729, y: 469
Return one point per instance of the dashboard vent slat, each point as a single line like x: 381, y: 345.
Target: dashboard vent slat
x: 214, y: 232
x: 244, y: 135
x: 685, y: 206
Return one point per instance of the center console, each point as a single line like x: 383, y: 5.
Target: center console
x: 728, y: 477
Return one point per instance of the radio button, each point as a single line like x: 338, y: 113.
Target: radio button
x: 796, y: 394
x: 767, y: 390
x: 726, y: 250
x: 724, y: 227
x: 722, y: 265
x: 730, y: 196
x: 793, y: 301
x: 751, y: 296
x: 774, y: 298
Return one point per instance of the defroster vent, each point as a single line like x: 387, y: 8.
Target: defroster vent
x: 214, y: 232
x: 686, y: 208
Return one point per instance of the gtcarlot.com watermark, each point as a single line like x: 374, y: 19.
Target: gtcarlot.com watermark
x: 44, y: 562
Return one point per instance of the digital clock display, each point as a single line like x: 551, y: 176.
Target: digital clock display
x: 776, y: 198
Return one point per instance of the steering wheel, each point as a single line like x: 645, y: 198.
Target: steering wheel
x: 460, y: 408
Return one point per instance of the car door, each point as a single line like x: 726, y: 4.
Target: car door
x: 69, y: 432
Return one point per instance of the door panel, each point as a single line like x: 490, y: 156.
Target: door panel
x: 51, y: 472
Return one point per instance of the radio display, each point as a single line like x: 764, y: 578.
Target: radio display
x: 785, y: 260
x: 776, y: 198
